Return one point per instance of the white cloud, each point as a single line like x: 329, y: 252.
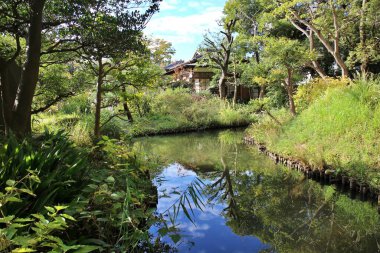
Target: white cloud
x: 185, y: 23
x: 179, y: 29
x: 168, y: 5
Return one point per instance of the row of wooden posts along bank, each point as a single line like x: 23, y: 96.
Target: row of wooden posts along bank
x: 324, y: 175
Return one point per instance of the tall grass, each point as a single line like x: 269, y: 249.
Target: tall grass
x: 171, y: 110
x: 340, y: 128
x: 178, y: 110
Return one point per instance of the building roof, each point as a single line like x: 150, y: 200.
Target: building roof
x: 190, y: 63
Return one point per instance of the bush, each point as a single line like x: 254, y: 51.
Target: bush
x: 172, y: 101
x: 179, y: 110
x: 308, y: 93
x: 80, y: 104
x: 51, y: 201
x: 239, y: 116
x: 54, y: 166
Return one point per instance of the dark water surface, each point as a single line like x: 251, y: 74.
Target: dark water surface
x: 249, y: 203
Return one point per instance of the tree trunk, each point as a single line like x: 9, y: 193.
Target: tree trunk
x: 289, y: 89
x: 235, y: 86
x: 336, y: 54
x: 10, y: 74
x: 364, y: 64
x: 235, y: 95
x: 222, y: 86
x: 333, y: 50
x: 316, y: 66
x: 127, y: 111
x: 98, y: 104
x: 126, y: 107
x: 21, y: 121
x: 262, y: 92
x: 257, y: 56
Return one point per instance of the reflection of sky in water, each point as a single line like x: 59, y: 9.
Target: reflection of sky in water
x: 210, y: 232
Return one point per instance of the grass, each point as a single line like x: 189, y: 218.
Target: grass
x: 171, y: 111
x: 340, y: 128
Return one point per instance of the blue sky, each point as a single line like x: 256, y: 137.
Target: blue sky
x: 184, y: 22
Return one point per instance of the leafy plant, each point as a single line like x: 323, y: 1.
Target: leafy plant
x: 35, y: 232
x: 53, y: 163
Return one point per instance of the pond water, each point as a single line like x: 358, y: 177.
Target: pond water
x: 218, y: 195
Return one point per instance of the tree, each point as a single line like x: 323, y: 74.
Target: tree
x: 364, y: 33
x: 60, y: 19
x: 325, y: 19
x: 139, y: 77
x: 59, y: 82
x: 286, y: 58
x: 161, y: 52
x: 218, y: 50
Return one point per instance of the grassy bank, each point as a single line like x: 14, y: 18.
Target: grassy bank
x: 170, y: 111
x: 341, y: 128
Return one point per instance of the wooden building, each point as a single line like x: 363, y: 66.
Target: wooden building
x: 190, y: 74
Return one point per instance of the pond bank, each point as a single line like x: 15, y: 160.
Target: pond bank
x: 250, y: 203
x: 326, y: 175
x: 190, y: 130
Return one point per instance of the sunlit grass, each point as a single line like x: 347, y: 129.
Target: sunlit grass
x: 341, y: 128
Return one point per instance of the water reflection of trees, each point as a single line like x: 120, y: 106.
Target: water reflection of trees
x: 276, y: 205
x: 294, y: 215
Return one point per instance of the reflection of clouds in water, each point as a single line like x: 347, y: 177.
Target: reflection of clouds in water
x: 176, y: 170
x: 211, y: 212
x: 210, y: 231
x: 202, y: 227
x: 197, y: 231
x: 197, y: 235
x: 175, y: 177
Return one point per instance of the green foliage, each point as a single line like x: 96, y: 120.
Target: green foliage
x: 52, y: 201
x: 308, y: 93
x: 59, y: 82
x: 238, y: 116
x: 179, y: 110
x: 117, y: 200
x: 35, y: 175
x: 38, y: 232
x: 172, y: 100
x: 80, y: 104
x: 341, y: 129
x: 7, y: 47
x: 54, y: 164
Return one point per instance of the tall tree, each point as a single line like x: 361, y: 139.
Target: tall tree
x: 218, y: 50
x: 33, y: 19
x: 324, y: 19
x: 286, y: 58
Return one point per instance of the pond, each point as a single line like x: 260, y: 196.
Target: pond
x: 218, y: 195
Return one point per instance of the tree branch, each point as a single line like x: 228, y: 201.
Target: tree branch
x: 53, y: 102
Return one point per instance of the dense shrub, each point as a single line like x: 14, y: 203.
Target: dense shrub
x: 172, y: 110
x: 308, y: 93
x: 171, y: 101
x: 80, y: 104
x: 54, y: 199
x: 55, y: 163
x: 179, y: 110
